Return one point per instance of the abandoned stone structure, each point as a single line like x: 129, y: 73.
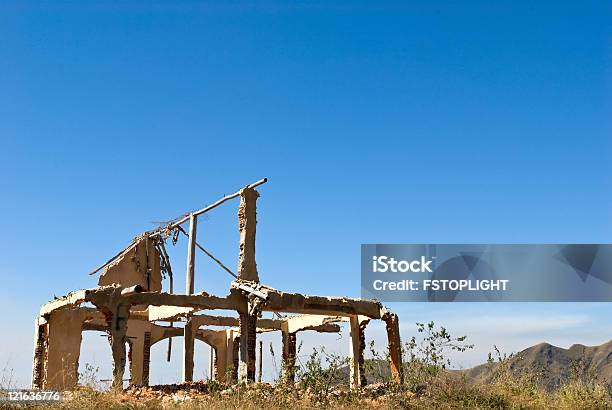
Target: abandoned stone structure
x: 130, y: 306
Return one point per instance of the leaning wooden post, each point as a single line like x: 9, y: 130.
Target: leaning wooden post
x: 193, y: 225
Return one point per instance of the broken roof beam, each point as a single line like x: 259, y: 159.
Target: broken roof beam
x: 273, y: 300
x: 212, y: 206
x: 104, y: 294
x: 310, y: 322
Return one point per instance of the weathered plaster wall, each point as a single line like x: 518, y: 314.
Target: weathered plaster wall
x: 138, y: 266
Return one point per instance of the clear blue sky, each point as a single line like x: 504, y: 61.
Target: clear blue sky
x: 445, y: 122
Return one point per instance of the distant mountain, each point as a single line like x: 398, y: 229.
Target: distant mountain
x: 554, y: 365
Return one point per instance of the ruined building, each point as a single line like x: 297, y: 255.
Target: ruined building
x: 130, y: 306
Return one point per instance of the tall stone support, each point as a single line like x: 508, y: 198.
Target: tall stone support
x: 248, y: 339
x: 63, y: 349
x: 357, y: 373
x: 247, y: 224
x: 395, y: 347
x: 289, y: 353
x: 188, y: 345
x: 40, y: 353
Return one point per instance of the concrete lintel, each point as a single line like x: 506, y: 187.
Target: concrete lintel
x: 71, y: 299
x: 197, y: 301
x: 321, y: 305
x: 169, y: 313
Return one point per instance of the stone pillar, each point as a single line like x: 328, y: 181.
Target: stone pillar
x: 64, y: 329
x: 289, y: 352
x: 357, y: 373
x: 395, y: 347
x: 188, y: 344
x: 248, y: 339
x: 40, y: 353
x: 247, y: 221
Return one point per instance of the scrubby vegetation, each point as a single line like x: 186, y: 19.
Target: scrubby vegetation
x: 322, y: 383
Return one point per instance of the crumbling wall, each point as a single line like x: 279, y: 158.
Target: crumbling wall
x: 140, y: 265
x: 63, y: 349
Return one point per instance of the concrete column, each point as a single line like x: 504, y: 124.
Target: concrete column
x: 227, y: 372
x: 63, y: 349
x: 212, y: 364
x: 118, y: 335
x: 247, y: 222
x: 188, y: 344
x: 395, y: 347
x: 248, y: 339
x: 221, y: 344
x: 146, y: 358
x: 289, y: 352
x: 40, y: 353
x: 357, y: 373
x: 235, y: 359
x: 260, y: 363
x: 140, y: 348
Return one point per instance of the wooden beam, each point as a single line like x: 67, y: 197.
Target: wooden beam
x: 193, y: 226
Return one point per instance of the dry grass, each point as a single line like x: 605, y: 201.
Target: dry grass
x: 443, y: 391
x: 322, y: 385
